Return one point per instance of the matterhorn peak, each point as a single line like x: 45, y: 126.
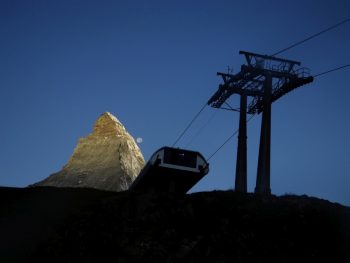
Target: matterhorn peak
x: 108, y: 124
x: 107, y: 159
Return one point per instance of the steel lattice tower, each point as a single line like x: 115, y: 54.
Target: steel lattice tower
x: 264, y: 79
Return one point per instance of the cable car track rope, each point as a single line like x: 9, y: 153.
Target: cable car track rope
x: 312, y: 36
x: 331, y: 70
x: 199, y: 131
x: 189, y: 125
x: 227, y: 140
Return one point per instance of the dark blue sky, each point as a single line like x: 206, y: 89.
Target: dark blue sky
x: 153, y: 64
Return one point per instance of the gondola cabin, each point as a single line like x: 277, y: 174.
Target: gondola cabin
x: 171, y: 170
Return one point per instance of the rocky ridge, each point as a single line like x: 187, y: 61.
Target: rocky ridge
x: 107, y: 159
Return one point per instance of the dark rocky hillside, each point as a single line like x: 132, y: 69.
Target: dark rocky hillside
x: 85, y: 225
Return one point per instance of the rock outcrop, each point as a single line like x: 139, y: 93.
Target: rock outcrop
x: 107, y: 159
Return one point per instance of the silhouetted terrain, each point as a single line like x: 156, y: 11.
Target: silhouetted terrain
x: 85, y: 225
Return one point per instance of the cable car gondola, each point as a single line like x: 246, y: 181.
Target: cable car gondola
x: 171, y: 170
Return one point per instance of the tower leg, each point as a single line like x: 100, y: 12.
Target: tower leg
x: 263, y: 174
x: 241, y: 164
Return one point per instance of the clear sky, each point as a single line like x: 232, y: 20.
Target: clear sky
x: 153, y: 65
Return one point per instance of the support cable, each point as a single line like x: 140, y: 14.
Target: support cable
x: 201, y: 129
x: 331, y: 70
x: 222, y: 145
x: 189, y: 125
x: 228, y: 139
x: 312, y: 36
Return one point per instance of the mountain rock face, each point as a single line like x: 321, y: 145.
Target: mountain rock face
x: 107, y: 159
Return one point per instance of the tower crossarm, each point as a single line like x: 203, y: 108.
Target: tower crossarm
x: 235, y: 84
x: 289, y: 86
x: 256, y: 106
x: 250, y: 80
x: 275, y: 72
x: 251, y: 57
